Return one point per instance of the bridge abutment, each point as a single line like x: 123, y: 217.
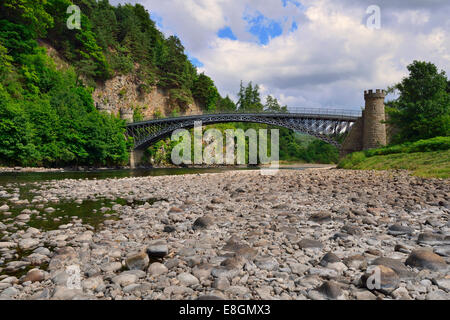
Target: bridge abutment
x: 369, y: 131
x: 136, y: 158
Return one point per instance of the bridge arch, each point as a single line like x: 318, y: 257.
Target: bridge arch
x: 325, y: 127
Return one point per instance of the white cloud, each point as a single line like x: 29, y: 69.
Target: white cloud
x: 328, y: 61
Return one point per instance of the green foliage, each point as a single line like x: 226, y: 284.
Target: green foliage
x: 47, y: 118
x: 435, y: 164
x: 249, y: 98
x: 80, y: 47
x: 206, y: 92
x: 5, y: 63
x: 293, y: 147
x: 138, y: 114
x: 425, y: 158
x: 352, y: 160
x: 226, y: 105
x: 423, y: 109
x: 434, y: 144
x: 157, y: 114
x: 17, y: 39
x: 272, y: 105
x: 29, y: 13
x: 175, y: 113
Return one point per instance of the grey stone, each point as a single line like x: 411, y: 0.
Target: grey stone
x: 221, y: 284
x: 433, y: 239
x: 329, y: 258
x: 64, y: 293
x: 398, y: 230
x: 426, y: 259
x: 443, y: 283
x: 138, y: 261
x: 187, y: 279
x: 396, y: 265
x: 202, y: 223
x: 158, y: 250
x: 330, y: 289
x: 309, y: 243
x: 157, y: 269
x: 125, y: 279
x: 28, y: 244
x: 321, y: 217
x: 268, y: 263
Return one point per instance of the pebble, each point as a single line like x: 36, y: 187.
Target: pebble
x: 312, y: 234
x: 125, y: 279
x: 158, y: 250
x: 138, y: 261
x: 187, y: 279
x: 156, y: 269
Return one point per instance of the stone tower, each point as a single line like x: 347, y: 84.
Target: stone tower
x: 127, y: 115
x: 374, y: 132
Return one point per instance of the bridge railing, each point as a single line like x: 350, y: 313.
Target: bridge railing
x: 291, y: 110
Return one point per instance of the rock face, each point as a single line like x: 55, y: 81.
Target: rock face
x: 312, y: 234
x: 122, y: 92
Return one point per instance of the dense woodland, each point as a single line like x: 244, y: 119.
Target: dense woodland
x: 47, y: 115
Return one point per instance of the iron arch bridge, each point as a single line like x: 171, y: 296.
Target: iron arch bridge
x: 323, y: 124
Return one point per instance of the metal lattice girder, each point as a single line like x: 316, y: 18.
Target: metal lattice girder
x: 322, y: 126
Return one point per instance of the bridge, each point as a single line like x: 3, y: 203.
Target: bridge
x: 363, y: 129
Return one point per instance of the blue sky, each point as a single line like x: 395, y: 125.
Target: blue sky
x: 308, y: 53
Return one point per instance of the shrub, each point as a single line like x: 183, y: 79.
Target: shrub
x: 352, y: 160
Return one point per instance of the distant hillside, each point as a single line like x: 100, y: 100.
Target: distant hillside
x: 53, y: 80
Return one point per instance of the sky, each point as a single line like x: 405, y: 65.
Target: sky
x: 307, y: 53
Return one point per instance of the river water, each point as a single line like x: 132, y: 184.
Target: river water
x: 27, y: 177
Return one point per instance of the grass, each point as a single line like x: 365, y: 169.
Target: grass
x: 435, y: 164
x: 424, y: 158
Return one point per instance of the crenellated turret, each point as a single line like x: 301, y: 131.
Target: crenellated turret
x: 374, y: 134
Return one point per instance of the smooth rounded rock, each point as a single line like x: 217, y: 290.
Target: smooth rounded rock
x: 157, y: 269
x: 426, y: 259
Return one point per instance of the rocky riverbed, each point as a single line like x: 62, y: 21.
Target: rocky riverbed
x: 313, y: 234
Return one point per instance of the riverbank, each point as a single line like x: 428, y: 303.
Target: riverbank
x: 308, y: 234
x: 100, y: 169
x: 422, y: 164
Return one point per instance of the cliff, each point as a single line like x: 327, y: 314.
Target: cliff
x: 122, y: 92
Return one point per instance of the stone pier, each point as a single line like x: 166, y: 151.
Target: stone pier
x: 135, y: 158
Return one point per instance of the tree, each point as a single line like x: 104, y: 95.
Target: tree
x: 5, y: 63
x: 206, y: 92
x: 249, y: 98
x: 272, y: 105
x: 422, y: 110
x: 30, y: 13
x: 226, y: 104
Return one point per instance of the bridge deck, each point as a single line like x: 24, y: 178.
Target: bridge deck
x: 318, y: 116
